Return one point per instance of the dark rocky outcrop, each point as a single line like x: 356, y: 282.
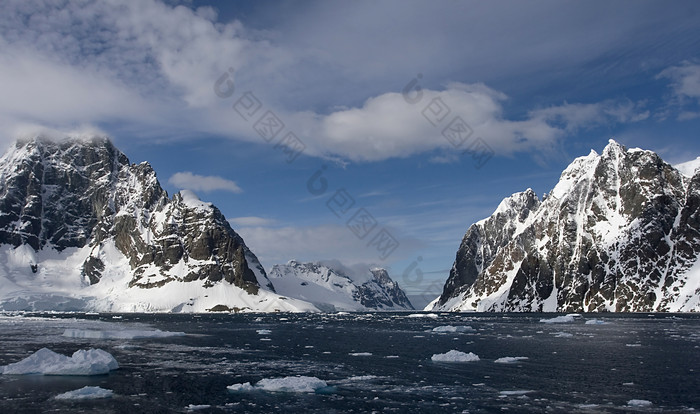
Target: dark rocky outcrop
x: 618, y: 233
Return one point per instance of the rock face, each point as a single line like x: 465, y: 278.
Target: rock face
x: 333, y: 287
x: 81, y: 200
x: 619, y: 232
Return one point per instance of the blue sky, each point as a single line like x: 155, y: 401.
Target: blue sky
x: 536, y: 83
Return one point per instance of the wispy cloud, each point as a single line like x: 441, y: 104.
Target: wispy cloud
x: 205, y: 183
x: 685, y: 86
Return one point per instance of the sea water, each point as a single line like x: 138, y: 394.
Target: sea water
x: 361, y: 362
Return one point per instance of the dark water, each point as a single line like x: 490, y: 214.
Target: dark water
x: 571, y: 367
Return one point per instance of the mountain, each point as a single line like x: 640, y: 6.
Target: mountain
x: 81, y: 228
x: 333, y: 287
x: 619, y: 232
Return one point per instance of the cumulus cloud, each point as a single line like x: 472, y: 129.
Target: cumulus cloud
x: 152, y: 67
x: 387, y: 126
x: 205, y: 183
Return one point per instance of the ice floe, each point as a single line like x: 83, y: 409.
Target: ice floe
x: 639, y: 403
x: 263, y: 331
x: 596, y: 322
x: 119, y: 334
x: 562, y: 335
x: 451, y: 329
x: 360, y: 354
x: 509, y: 360
x: 455, y: 356
x: 197, y: 407
x: 423, y: 315
x: 47, y: 362
x: 86, y: 393
x: 515, y: 392
x: 362, y: 378
x: 284, y: 384
x: 559, y: 319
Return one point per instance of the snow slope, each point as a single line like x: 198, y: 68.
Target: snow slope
x: 333, y: 287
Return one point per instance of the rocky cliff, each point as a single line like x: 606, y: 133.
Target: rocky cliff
x: 78, y: 206
x: 619, y: 232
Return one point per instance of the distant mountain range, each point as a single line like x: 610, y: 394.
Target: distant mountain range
x: 330, y: 287
x: 620, y: 232
x: 81, y: 228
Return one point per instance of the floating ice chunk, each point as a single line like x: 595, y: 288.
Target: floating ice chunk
x: 362, y: 378
x: 47, y: 362
x: 633, y: 345
x: 509, y: 360
x: 455, y: 356
x: 639, y: 403
x: 574, y: 315
x: 193, y: 407
x: 285, y: 384
x: 515, y: 392
x: 596, y: 322
x: 263, y: 331
x: 292, y: 384
x: 342, y: 313
x: 357, y: 354
x: 85, y: 393
x: 423, y: 315
x: 559, y: 319
x: 562, y: 335
x: 450, y: 328
x: 241, y: 387
x: 125, y: 334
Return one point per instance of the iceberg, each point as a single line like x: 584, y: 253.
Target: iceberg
x: 286, y: 384
x: 47, y: 362
x: 86, y: 393
x: 455, y: 356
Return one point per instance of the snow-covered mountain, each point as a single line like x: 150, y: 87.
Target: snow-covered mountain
x: 619, y: 232
x: 333, y: 287
x: 83, y: 229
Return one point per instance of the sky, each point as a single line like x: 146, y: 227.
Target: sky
x: 374, y: 133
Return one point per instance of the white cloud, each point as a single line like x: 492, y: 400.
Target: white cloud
x: 685, y: 79
x: 252, y: 221
x: 206, y: 183
x: 685, y: 84
x: 152, y: 67
x: 387, y: 126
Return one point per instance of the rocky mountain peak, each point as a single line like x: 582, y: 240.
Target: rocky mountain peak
x: 620, y: 232
x: 81, y: 197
